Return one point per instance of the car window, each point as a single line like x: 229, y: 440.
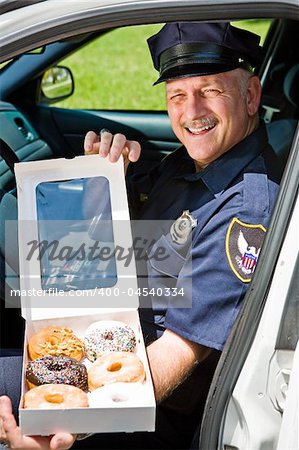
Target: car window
x: 115, y: 71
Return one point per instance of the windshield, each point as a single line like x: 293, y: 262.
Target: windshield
x: 36, y: 51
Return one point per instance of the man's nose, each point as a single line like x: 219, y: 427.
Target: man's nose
x: 195, y: 107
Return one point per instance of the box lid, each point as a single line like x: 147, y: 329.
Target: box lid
x: 75, y: 242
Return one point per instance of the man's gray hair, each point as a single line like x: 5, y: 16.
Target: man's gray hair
x: 243, y: 78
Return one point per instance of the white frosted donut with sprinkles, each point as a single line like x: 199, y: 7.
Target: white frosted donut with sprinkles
x: 108, y: 336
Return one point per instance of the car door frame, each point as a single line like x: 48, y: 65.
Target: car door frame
x: 242, y: 337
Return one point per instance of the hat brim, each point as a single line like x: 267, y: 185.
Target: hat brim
x: 195, y: 70
x: 198, y: 59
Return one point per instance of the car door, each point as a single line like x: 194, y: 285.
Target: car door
x: 247, y: 408
x: 289, y: 431
x: 257, y: 404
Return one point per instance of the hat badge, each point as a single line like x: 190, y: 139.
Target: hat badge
x: 182, y: 227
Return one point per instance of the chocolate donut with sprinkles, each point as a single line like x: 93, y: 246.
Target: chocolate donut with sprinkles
x: 108, y: 336
x: 56, y: 370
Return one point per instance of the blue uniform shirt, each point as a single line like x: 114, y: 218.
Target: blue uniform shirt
x: 229, y: 204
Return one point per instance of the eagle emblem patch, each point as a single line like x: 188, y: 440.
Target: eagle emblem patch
x: 243, y: 246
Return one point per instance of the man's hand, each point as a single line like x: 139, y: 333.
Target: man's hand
x: 11, y: 434
x: 107, y: 144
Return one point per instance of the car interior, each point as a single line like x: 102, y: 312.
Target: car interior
x: 33, y: 129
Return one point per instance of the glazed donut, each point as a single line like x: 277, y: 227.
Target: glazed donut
x: 56, y: 370
x: 108, y: 336
x: 115, y: 367
x: 55, y: 341
x: 55, y: 396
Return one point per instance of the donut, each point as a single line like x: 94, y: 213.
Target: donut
x: 55, y: 396
x: 118, y: 394
x: 108, y: 336
x: 115, y: 367
x: 55, y: 341
x: 56, y: 370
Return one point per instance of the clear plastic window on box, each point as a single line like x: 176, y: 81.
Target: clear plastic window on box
x: 75, y: 234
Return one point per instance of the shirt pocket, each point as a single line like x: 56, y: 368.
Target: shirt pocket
x: 164, y: 259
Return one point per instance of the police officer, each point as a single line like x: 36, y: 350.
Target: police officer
x: 217, y: 191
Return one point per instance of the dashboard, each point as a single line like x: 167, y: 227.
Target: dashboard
x: 20, y: 137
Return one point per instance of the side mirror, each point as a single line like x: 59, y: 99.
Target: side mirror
x: 57, y: 84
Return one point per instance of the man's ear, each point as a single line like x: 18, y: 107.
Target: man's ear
x: 254, y: 92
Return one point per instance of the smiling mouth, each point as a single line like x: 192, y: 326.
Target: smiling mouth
x: 202, y: 126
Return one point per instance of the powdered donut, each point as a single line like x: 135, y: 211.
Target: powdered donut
x: 108, y: 336
x: 55, y: 341
x: 55, y: 396
x: 118, y: 394
x: 115, y: 367
x: 56, y: 370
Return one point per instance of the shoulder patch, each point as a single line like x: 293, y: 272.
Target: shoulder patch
x: 243, y: 245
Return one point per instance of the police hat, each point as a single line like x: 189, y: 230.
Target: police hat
x: 187, y: 49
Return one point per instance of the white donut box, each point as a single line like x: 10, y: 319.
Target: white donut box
x: 115, y: 409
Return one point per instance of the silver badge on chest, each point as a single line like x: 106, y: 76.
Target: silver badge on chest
x: 182, y: 227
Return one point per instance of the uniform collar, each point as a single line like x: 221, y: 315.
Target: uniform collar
x: 220, y: 173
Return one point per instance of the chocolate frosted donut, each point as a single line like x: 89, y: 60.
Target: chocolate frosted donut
x: 56, y: 370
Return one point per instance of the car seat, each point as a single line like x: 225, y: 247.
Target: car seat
x: 281, y: 132
x: 13, y: 325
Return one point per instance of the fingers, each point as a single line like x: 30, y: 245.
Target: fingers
x: 62, y: 441
x: 134, y: 150
x: 105, y: 143
x: 9, y: 430
x: 91, y: 143
x: 117, y: 145
x: 11, y: 433
x: 5, y: 405
x: 3, y: 435
x: 112, y: 146
x: 5, y: 412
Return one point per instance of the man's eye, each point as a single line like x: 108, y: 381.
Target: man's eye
x: 211, y: 92
x: 176, y: 97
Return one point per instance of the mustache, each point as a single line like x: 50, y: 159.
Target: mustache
x: 201, y: 122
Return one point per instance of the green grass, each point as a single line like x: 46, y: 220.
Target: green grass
x: 116, y: 72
